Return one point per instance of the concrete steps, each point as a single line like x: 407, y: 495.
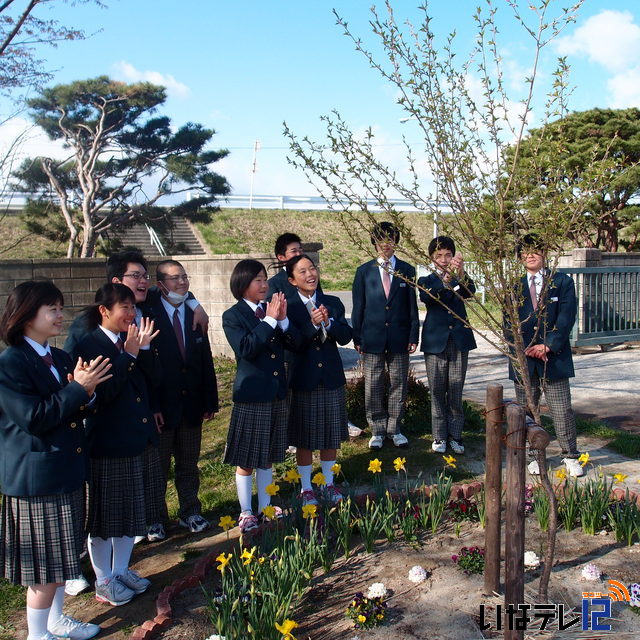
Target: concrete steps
x: 177, y: 240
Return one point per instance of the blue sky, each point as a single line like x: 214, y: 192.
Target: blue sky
x: 243, y: 67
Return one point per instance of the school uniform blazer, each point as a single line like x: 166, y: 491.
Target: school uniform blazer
x: 123, y: 424
x: 316, y: 362
x: 259, y: 351
x: 550, y: 324
x: 440, y: 322
x: 188, y: 388
x: 381, y: 324
x: 42, y: 439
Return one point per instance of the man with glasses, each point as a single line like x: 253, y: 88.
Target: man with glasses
x: 187, y: 395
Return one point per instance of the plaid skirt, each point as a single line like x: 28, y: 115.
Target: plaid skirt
x: 117, y: 497
x: 41, y: 538
x: 318, y: 418
x: 257, y: 434
x: 153, y: 485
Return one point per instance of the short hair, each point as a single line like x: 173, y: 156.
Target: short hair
x: 530, y: 241
x: 23, y: 305
x: 107, y: 296
x: 294, y: 261
x: 442, y: 242
x: 242, y: 275
x: 166, y: 263
x: 384, y: 230
x: 283, y: 241
x: 117, y: 263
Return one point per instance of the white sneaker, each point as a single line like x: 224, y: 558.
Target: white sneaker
x: 308, y: 497
x: 573, y: 467
x: 114, y: 592
x: 76, y: 586
x: 376, y: 442
x: 155, y: 533
x: 399, y: 440
x: 139, y: 539
x: 195, y: 523
x: 457, y: 447
x: 439, y: 446
x: 534, y: 468
x: 68, y: 627
x: 132, y: 580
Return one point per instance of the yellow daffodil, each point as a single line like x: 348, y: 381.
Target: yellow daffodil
x: 223, y: 560
x: 337, y: 468
x: 272, y: 489
x: 226, y: 522
x: 450, y: 460
x: 620, y: 477
x: 270, y: 512
x: 561, y: 473
x: 319, y: 479
x: 292, y: 476
x: 286, y: 628
x: 583, y: 459
x: 362, y: 618
x: 309, y: 511
x: 375, y: 466
x: 398, y: 464
x: 247, y: 555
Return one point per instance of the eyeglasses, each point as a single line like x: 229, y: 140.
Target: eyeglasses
x: 184, y: 277
x: 136, y: 275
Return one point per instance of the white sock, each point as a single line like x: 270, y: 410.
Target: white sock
x: 326, y: 470
x: 100, y: 551
x: 37, y: 620
x: 244, y: 485
x: 122, y: 549
x: 305, y: 476
x: 55, y: 613
x: 263, y: 478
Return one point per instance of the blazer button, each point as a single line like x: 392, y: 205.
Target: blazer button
x: 386, y: 308
x: 320, y: 364
x: 386, y: 324
x: 184, y: 392
x: 450, y: 326
x: 273, y: 355
x: 138, y: 399
x: 79, y: 450
x: 144, y: 420
x: 82, y: 408
x: 275, y: 373
x: 73, y: 425
x: 317, y: 348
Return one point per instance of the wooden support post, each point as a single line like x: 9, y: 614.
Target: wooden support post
x: 494, y: 410
x: 514, y: 517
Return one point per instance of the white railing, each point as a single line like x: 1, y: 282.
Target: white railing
x: 155, y: 240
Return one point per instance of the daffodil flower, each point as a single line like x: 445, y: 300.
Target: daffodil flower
x: 561, y: 474
x: 309, y: 511
x: 292, y: 476
x: 450, y: 460
x: 247, y: 556
x: 269, y: 511
x: 223, y: 560
x: 272, y: 489
x: 337, y: 468
x: 286, y: 628
x: 620, y: 477
x: 375, y: 466
x: 226, y: 523
x: 398, y: 464
x: 583, y: 459
x: 319, y: 479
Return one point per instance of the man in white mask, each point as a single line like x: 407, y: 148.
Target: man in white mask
x: 188, y: 393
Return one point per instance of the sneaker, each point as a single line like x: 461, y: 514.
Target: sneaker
x: 573, y: 467
x: 399, y: 440
x: 279, y: 513
x: 134, y: 581
x: 376, y: 442
x: 247, y: 522
x: 76, y: 586
x: 114, y: 592
x: 456, y: 446
x: 534, y: 468
x: 439, y: 446
x: 139, y: 539
x: 291, y: 449
x: 195, y: 523
x: 155, y: 533
x: 308, y: 497
x: 48, y: 636
x: 68, y: 627
x: 333, y: 494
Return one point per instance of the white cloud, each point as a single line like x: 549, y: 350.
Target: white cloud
x: 127, y: 72
x: 624, y: 89
x: 610, y: 38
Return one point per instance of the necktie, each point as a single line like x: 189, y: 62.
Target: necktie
x: 48, y: 360
x: 533, y: 293
x: 311, y: 307
x: 260, y: 314
x: 386, y: 280
x: 177, y: 328
x: 119, y: 344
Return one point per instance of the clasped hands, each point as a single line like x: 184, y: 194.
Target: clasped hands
x: 538, y: 351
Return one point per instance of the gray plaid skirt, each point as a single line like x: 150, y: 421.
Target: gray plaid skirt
x: 41, y: 538
x: 257, y: 434
x: 117, y: 497
x: 153, y: 485
x: 318, y: 418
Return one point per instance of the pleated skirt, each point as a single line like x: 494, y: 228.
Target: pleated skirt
x: 318, y: 418
x: 41, y: 538
x: 257, y: 434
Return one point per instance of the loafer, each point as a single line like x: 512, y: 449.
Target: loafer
x: 439, y: 446
x: 68, y: 627
x: 155, y: 533
x: 195, y: 523
x: 399, y: 440
x: 376, y: 442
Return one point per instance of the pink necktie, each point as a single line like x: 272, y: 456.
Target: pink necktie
x: 386, y: 279
x: 533, y: 293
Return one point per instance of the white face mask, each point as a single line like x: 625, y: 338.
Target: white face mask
x: 172, y: 296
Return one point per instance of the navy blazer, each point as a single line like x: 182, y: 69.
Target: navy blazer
x: 123, y: 425
x: 316, y: 362
x: 259, y: 351
x: 381, y: 324
x: 42, y: 439
x: 188, y: 388
x: 440, y: 322
x: 550, y: 324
